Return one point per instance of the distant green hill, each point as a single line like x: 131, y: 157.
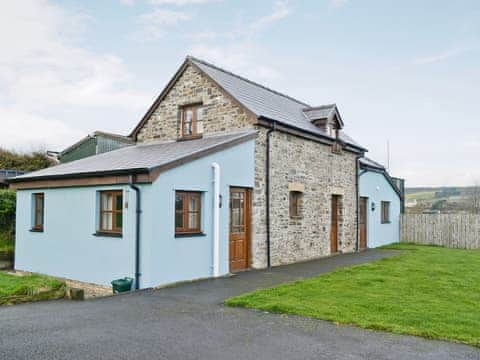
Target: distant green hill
x: 443, y: 198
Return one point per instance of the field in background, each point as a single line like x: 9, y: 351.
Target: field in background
x: 443, y: 199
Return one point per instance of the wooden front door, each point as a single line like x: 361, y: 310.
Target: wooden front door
x: 240, y: 210
x: 334, y: 224
x: 363, y: 222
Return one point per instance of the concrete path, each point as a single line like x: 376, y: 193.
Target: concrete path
x: 189, y: 322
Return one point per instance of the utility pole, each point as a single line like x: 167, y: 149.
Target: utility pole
x: 388, y: 155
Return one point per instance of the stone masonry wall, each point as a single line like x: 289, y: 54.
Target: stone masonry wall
x: 221, y: 113
x: 295, y: 160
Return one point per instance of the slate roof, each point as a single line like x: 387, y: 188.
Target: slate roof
x: 371, y: 163
x: 267, y: 103
x: 140, y: 158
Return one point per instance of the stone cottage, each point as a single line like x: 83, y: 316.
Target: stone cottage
x: 226, y: 175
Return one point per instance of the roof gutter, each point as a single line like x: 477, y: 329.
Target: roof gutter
x: 82, y: 175
x: 324, y: 139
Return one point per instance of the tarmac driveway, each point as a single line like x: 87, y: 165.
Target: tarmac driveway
x: 189, y: 322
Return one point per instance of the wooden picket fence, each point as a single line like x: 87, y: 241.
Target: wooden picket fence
x: 449, y: 230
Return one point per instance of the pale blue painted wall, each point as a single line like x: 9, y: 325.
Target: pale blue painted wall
x: 68, y: 248
x: 376, y: 187
x: 167, y: 258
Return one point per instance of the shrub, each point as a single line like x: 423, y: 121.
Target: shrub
x: 7, y: 219
x: 29, y: 162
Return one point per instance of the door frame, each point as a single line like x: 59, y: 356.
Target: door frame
x: 366, y: 199
x: 248, y: 225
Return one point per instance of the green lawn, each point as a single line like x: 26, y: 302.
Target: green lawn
x: 15, y: 289
x: 427, y: 291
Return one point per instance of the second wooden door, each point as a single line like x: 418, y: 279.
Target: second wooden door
x: 240, y: 210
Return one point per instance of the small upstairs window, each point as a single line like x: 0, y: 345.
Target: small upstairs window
x: 192, y: 121
x: 38, y: 211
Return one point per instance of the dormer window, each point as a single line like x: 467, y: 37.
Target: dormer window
x: 192, y: 121
x: 332, y: 131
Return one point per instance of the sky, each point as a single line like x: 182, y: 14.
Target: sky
x: 405, y: 73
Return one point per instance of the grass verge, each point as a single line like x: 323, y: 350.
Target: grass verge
x: 427, y: 291
x: 16, y: 289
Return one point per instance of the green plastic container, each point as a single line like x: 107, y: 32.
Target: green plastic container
x: 122, y: 285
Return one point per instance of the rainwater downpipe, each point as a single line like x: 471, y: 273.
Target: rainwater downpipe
x: 138, y: 212
x: 216, y: 219
x: 267, y: 190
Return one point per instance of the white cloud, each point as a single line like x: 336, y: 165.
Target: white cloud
x: 128, y: 2
x: 242, y: 57
x: 155, y: 23
x: 26, y: 131
x: 338, y: 3
x: 180, y: 2
x: 44, y: 74
x: 237, y: 49
x: 431, y: 59
x: 280, y: 11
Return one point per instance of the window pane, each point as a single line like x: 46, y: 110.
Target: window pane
x: 107, y: 221
x: 200, y: 112
x: 119, y: 220
x: 194, y: 203
x: 188, y: 115
x: 39, y: 218
x: 200, y: 127
x: 179, y: 202
x: 107, y: 201
x: 193, y: 220
x: 188, y: 118
x: 119, y: 202
x: 237, y: 216
x: 39, y: 202
x: 179, y: 219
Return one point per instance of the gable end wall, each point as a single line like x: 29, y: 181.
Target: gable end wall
x: 221, y: 112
